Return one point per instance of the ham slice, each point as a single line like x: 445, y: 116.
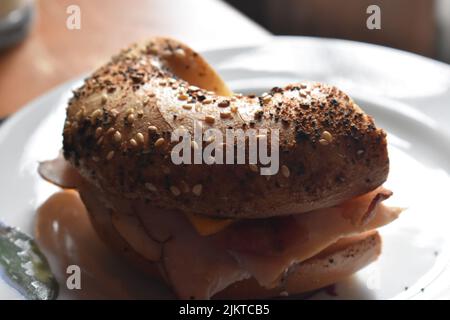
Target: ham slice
x: 199, y: 266
x: 316, y: 230
x: 130, y: 228
x: 195, y: 268
x: 60, y: 172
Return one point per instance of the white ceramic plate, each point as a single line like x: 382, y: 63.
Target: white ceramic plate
x: 407, y: 94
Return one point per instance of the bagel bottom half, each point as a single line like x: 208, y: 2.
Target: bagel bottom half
x: 331, y: 265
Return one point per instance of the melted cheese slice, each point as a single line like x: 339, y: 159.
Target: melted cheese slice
x: 206, y: 226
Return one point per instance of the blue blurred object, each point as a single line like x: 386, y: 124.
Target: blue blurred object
x: 15, y: 20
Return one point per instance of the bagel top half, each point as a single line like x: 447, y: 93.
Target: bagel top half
x: 118, y: 135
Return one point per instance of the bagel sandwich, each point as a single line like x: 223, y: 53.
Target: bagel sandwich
x: 212, y: 230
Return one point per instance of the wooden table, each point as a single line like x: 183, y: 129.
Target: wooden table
x: 52, y: 53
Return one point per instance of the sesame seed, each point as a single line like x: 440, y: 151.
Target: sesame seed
x: 179, y: 53
x: 110, y: 155
x: 323, y: 142
x: 233, y: 109
x: 225, y: 115
x: 183, y: 97
x: 198, y: 107
x: 209, y: 119
x: 193, y: 88
x: 327, y: 136
x: 95, y: 158
x: 224, y: 103
x: 95, y: 115
x: 175, y: 191
x: 117, y: 136
x: 253, y: 167
x: 104, y: 98
x: 131, y: 117
x: 110, y: 131
x: 140, y: 138
x: 267, y: 98
x: 152, y: 129
x: 150, y: 186
x: 98, y: 132
x: 197, y: 189
x: 285, y: 171
x: 160, y: 142
x: 114, y: 113
x: 79, y: 114
x: 207, y: 101
x: 187, y: 106
x: 360, y: 152
x: 133, y: 143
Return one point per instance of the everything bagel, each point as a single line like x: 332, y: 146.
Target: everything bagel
x: 118, y: 129
x: 223, y: 230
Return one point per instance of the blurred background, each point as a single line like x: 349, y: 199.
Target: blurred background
x: 46, y: 42
x: 420, y: 26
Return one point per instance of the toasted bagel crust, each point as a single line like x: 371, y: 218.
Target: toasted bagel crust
x: 118, y: 127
